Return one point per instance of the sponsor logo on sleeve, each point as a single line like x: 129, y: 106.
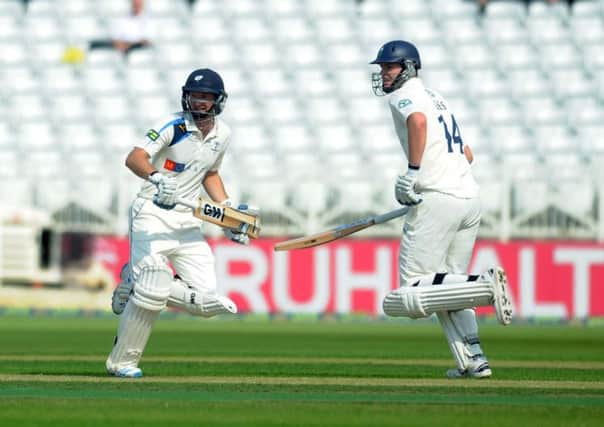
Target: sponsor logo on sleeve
x: 173, y: 166
x: 152, y: 134
x: 404, y: 103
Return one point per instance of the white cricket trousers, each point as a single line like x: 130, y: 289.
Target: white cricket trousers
x: 438, y: 236
x: 176, y: 235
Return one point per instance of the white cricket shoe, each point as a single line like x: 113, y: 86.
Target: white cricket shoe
x: 127, y: 372
x: 501, y: 300
x: 477, y: 368
x: 122, y: 292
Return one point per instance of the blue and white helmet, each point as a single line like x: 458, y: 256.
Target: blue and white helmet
x: 397, y: 52
x: 207, y: 81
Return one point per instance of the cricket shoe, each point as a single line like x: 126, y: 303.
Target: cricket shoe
x: 125, y: 372
x: 477, y: 368
x: 501, y: 299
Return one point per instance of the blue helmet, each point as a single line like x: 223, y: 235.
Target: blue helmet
x: 207, y: 81
x: 396, y: 52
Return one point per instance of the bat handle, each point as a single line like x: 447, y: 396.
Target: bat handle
x: 188, y: 203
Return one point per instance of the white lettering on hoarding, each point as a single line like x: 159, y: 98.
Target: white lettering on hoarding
x: 249, y: 284
x: 282, y: 281
x: 528, y: 305
x: 347, y: 280
x: 581, y: 259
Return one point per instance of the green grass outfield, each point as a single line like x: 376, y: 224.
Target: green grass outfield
x: 260, y: 372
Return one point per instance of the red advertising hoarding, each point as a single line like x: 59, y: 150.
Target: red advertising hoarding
x: 547, y: 279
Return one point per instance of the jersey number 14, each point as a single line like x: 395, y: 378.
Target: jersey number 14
x: 452, y: 137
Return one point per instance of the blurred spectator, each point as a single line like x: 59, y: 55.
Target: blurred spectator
x: 131, y: 32
x: 482, y: 4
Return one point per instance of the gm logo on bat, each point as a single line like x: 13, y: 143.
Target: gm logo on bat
x: 213, y: 211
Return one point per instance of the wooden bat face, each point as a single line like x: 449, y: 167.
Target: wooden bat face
x: 228, y: 217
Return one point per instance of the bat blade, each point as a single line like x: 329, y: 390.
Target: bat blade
x: 225, y: 217
x: 338, y: 232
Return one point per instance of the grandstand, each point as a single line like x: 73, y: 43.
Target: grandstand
x: 312, y: 145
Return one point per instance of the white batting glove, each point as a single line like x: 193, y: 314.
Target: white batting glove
x: 237, y: 236
x: 404, y: 190
x: 240, y: 236
x: 165, y: 197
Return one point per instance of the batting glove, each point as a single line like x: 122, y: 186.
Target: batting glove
x: 165, y: 197
x: 404, y: 190
x: 240, y: 236
x: 237, y: 236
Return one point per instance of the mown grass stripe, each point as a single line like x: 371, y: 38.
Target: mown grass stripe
x: 550, y: 364
x: 298, y: 396
x: 398, y: 382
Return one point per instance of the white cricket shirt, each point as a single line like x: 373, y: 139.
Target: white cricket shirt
x: 444, y: 167
x: 177, y: 149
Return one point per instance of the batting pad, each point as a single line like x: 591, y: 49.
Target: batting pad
x: 133, y: 333
x: 422, y: 301
x: 152, y: 283
x: 198, y: 302
x: 461, y: 331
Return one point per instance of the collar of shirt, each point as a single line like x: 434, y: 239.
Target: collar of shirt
x: 192, y: 127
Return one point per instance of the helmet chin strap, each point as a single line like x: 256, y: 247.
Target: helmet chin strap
x: 406, y: 73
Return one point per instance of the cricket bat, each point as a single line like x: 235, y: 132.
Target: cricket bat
x: 339, y: 232
x: 223, y: 216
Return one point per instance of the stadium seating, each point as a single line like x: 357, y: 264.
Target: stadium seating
x: 526, y: 85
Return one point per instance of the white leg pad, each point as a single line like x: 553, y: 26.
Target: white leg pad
x: 421, y: 301
x: 454, y: 339
x: 152, y: 279
x: 198, y: 302
x: 133, y: 333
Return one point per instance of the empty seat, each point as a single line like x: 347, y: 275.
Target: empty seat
x: 510, y: 139
x: 294, y: 138
x: 486, y: 83
x: 111, y: 109
x: 242, y: 110
x: 69, y: 108
x: 475, y: 55
x: 507, y: 30
x: 333, y: 138
x: 499, y: 111
x: 262, y: 55
x: 314, y: 83
x: 281, y: 110
x: 444, y: 80
x: 322, y: 9
x: 335, y: 30
x: 547, y: 30
x: 107, y: 80
x: 505, y: 10
x: 353, y: 82
x: 542, y: 111
x: 42, y: 28
x: 516, y: 57
x: 571, y: 83
x: 560, y: 55
x: 585, y: 110
x: 554, y: 138
x: 251, y: 29
x: 28, y: 107
x: 379, y: 138
x: 144, y: 81
x: 250, y: 138
x: 19, y: 80
x: 367, y: 110
x: 323, y: 111
x: 587, y: 30
x: 294, y: 29
x: 526, y: 83
x: 283, y: 8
